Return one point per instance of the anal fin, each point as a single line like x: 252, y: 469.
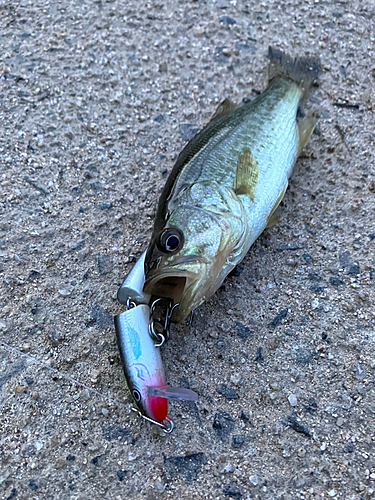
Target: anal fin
x: 246, y: 174
x: 305, y: 128
x: 273, y: 218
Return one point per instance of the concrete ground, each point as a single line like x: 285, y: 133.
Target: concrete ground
x: 97, y: 99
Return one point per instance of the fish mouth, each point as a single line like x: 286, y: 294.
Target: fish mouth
x: 179, y: 284
x: 170, y: 286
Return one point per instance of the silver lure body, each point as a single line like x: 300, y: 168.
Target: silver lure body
x: 132, y: 287
x: 140, y: 358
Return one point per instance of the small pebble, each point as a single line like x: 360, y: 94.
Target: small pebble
x: 347, y: 402
x: 315, y: 304
x: 275, y: 395
x: 361, y: 389
x: 227, y: 469
x: 235, y: 378
x: 227, y: 392
x: 350, y: 447
x: 335, y: 281
x: 354, y: 268
x: 237, y: 441
x: 86, y: 394
x: 95, y: 374
x: 159, y: 487
x: 349, y: 307
x: 244, y: 416
x: 159, y: 119
x: 307, y: 258
x: 61, y: 463
x: 254, y: 480
x: 292, y: 398
x: 105, y: 204
x: 227, y: 20
x: 20, y: 388
x: 275, y: 386
x: 65, y: 290
x: 332, y: 493
x: 278, y: 318
x: 359, y: 371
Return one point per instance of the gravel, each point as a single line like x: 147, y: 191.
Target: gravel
x: 97, y: 101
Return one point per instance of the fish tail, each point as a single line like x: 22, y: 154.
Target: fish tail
x: 304, y: 71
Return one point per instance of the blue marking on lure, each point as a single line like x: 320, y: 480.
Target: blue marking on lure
x: 135, y: 342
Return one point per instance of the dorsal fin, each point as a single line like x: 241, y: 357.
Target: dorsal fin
x: 223, y: 108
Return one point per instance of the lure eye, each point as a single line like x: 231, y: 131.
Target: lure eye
x: 136, y: 396
x: 171, y: 240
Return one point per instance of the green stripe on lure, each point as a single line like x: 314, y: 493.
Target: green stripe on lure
x: 225, y: 186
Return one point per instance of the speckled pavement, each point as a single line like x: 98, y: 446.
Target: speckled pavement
x: 97, y: 98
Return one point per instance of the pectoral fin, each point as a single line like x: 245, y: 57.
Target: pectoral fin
x: 223, y: 108
x: 246, y: 174
x: 305, y: 128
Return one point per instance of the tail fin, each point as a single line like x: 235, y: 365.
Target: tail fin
x: 303, y: 71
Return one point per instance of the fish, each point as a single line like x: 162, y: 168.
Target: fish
x: 141, y: 359
x: 226, y: 185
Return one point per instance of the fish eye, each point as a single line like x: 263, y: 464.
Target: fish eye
x: 136, y: 395
x: 171, y: 240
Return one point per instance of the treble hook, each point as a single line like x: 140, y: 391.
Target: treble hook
x: 166, y: 428
x: 168, y: 317
x: 161, y: 337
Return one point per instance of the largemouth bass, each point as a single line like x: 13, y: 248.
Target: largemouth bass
x: 225, y: 186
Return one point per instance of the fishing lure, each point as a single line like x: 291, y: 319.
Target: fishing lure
x: 140, y: 357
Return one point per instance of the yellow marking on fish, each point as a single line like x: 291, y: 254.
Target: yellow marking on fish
x: 278, y: 201
x: 246, y: 174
